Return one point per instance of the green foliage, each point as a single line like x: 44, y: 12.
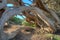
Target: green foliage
x: 16, y: 20
x: 21, y: 22
x: 55, y: 37
x: 28, y: 24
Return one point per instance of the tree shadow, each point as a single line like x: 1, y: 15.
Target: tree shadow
x: 22, y: 36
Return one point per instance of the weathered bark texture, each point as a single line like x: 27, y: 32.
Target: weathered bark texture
x: 6, y: 15
x: 36, y: 13
x: 3, y: 4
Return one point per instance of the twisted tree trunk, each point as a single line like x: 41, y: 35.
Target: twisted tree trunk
x: 5, y: 17
x: 39, y: 10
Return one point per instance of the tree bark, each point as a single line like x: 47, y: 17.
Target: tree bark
x: 3, y: 4
x: 45, y: 19
x: 5, y: 17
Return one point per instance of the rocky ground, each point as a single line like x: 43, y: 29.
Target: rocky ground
x: 15, y: 32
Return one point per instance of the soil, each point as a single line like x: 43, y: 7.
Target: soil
x: 24, y: 35
x: 28, y: 35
